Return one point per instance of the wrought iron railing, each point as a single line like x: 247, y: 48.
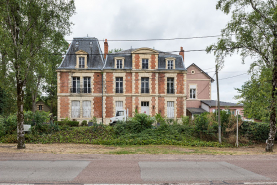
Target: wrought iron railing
x: 80, y: 90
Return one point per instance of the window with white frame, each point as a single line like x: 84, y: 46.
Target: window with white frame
x: 75, y: 85
x: 144, y: 63
x: 119, y: 64
x: 192, y: 92
x: 170, y: 64
x: 144, y: 85
x: 81, y: 62
x: 87, y: 88
x: 170, y: 109
x: 75, y: 109
x: 86, y: 109
x: 119, y: 85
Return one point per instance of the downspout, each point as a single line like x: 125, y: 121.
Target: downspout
x: 105, y: 61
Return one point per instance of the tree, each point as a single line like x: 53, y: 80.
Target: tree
x: 252, y: 32
x: 26, y: 27
x: 115, y: 50
x: 255, y: 95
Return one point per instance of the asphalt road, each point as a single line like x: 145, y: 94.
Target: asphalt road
x: 137, y: 169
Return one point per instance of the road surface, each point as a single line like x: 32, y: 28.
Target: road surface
x: 137, y: 169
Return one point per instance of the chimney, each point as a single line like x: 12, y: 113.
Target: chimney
x: 182, y: 53
x: 106, y: 48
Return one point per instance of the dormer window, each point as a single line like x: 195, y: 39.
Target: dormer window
x: 119, y: 62
x: 170, y: 63
x: 144, y: 63
x: 81, y: 62
x: 81, y: 59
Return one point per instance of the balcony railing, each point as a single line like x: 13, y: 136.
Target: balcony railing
x: 80, y: 90
x: 170, y: 91
x: 145, y: 90
x: 119, y: 90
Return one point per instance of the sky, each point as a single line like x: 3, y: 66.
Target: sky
x: 163, y: 19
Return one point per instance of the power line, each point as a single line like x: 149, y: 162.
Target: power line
x: 139, y: 40
x: 232, y: 76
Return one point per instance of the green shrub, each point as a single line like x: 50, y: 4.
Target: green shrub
x: 68, y: 123
x: 84, y: 123
x: 2, y: 127
x: 10, y: 124
x: 185, y: 120
x: 255, y: 131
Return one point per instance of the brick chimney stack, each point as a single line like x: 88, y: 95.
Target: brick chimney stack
x: 182, y: 53
x: 106, y: 48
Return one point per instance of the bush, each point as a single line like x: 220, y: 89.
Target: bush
x: 255, y: 131
x: 2, y: 127
x: 84, y: 123
x: 68, y: 123
x: 10, y: 124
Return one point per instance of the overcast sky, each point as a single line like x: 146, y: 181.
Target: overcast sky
x: 162, y: 19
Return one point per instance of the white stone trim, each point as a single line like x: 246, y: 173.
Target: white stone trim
x: 79, y: 54
x: 166, y: 62
x: 123, y: 75
x: 115, y: 62
x: 149, y: 75
x: 166, y: 99
x: 123, y: 99
x: 171, y: 75
x: 196, y: 91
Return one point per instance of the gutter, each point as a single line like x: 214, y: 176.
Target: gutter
x: 104, y: 62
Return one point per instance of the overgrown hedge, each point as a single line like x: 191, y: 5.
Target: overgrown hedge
x: 68, y: 123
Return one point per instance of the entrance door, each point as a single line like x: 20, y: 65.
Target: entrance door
x: 170, y: 109
x: 145, y: 107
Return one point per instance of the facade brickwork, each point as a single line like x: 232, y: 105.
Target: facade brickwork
x: 64, y: 82
x: 109, y: 106
x: 153, y: 62
x: 129, y: 105
x: 98, y: 107
x: 153, y: 106
x: 137, y: 87
x: 161, y: 106
x: 109, y: 83
x: 64, y: 107
x: 161, y: 82
x: 180, y: 83
x: 153, y: 83
x: 180, y: 107
x: 136, y: 104
x: 97, y: 84
x: 129, y: 83
x: 137, y: 61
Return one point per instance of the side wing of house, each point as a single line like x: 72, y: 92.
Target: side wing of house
x: 198, y: 86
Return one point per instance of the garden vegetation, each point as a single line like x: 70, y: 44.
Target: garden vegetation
x: 139, y: 130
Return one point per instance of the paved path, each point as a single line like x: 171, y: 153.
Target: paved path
x: 137, y: 169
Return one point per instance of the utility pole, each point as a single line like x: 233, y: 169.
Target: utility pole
x: 218, y: 105
x: 237, y: 141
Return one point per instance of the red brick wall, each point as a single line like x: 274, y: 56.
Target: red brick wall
x: 161, y: 105
x: 180, y: 83
x: 129, y: 106
x: 98, y: 107
x: 109, y: 83
x: 153, y: 103
x: 153, y: 83
x: 180, y: 107
x: 109, y: 107
x: 64, y: 107
x: 137, y: 83
x: 128, y: 83
x: 64, y: 85
x: 137, y: 104
x: 137, y: 61
x: 97, y: 83
x: 153, y: 62
x: 161, y: 85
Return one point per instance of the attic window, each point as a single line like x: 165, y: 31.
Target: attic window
x: 192, y: 72
x: 90, y: 43
x: 77, y: 43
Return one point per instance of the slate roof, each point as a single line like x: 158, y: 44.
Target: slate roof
x: 213, y: 103
x: 193, y: 64
x: 196, y: 110
x: 179, y: 64
x: 89, y: 45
